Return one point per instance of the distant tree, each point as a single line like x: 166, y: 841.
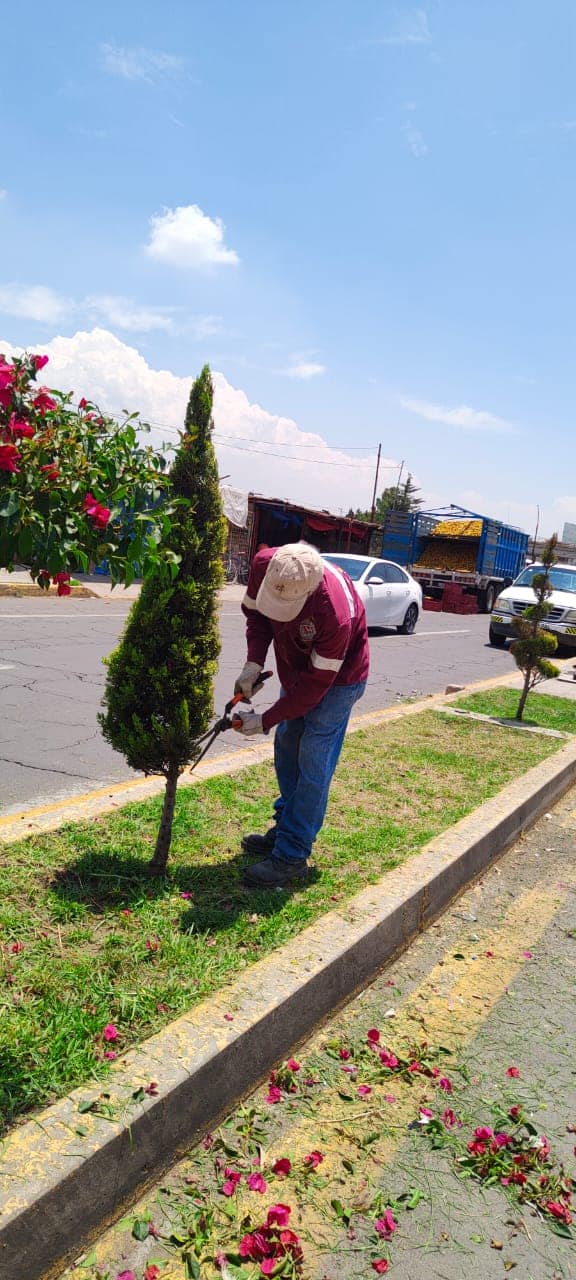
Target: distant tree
x: 158, y: 697
x: 395, y: 497
x: 534, y: 646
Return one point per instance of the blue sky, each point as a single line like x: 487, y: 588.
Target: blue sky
x: 362, y: 213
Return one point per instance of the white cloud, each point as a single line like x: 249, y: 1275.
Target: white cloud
x: 415, y: 140
x: 187, y: 237
x: 261, y: 451
x: 409, y: 28
x: 34, y: 302
x: 122, y: 313
x: 305, y: 369
x: 150, y: 66
x: 463, y: 416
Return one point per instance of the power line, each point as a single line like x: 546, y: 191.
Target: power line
x: 317, y: 462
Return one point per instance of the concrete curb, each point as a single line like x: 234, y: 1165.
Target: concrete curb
x: 58, y: 1186
x: 24, y: 590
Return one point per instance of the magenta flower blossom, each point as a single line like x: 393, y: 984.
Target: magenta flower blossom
x: 388, y: 1060
x: 373, y: 1036
x: 513, y: 1072
x: 387, y: 1225
x: 364, y: 1090
x: 257, y: 1183
x: 282, y: 1167
x: 278, y: 1215
x: 110, y: 1032
x: 313, y: 1159
x: 274, y: 1095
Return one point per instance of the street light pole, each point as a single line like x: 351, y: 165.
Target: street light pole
x: 375, y: 483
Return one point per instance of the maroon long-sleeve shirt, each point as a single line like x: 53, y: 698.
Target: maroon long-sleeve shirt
x: 326, y: 644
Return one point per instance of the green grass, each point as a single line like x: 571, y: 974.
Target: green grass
x: 541, y: 709
x: 102, y: 942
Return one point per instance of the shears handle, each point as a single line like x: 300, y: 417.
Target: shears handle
x: 239, y: 697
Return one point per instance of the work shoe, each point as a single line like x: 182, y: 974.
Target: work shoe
x: 258, y: 844
x: 275, y: 873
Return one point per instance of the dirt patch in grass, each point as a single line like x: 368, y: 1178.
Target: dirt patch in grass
x: 87, y: 939
x: 542, y: 709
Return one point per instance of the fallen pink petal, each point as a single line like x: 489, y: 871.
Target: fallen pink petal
x: 110, y: 1032
x: 257, y: 1183
x: 364, y: 1090
x: 513, y: 1072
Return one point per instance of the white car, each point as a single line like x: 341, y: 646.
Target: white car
x: 512, y: 602
x: 391, y: 597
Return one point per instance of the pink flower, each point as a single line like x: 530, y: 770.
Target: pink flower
x: 152, y: 944
x: 228, y: 1017
x: 228, y: 1187
x: 560, y: 1211
x: 373, y: 1036
x: 514, y: 1113
x: 282, y: 1168
x: 254, y: 1246
x: 425, y: 1115
x: 364, y: 1090
x: 20, y: 428
x: 389, y: 1097
x: 125, y: 1275
x: 268, y: 1266
x: 501, y: 1140
x: 483, y: 1133
x: 43, y: 402
x: 98, y: 514
x: 527, y: 955
x: 387, y: 1225
x: 477, y: 1148
x: 16, y: 948
x: 9, y: 456
x: 380, y: 1266
x: 51, y: 472
x: 151, y: 1089
x: 449, y: 1118
x: 415, y: 1066
x: 110, y: 1032
x: 489, y: 955
x: 445, y: 1084
x: 505, y: 1182
x: 388, y: 1060
x: 344, y: 1054
x: 292, y: 1065
x: 62, y: 581
x: 39, y: 362
x: 152, y: 1272
x: 83, y: 403
x: 111, y: 1055
x: 186, y: 896
x: 513, y: 1072
x: 274, y: 1095
x: 313, y: 1159
x: 278, y: 1215
x: 257, y: 1183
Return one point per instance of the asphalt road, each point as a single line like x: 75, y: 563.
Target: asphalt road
x: 51, y: 682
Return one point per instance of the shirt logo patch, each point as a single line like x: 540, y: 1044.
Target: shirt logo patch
x: 307, y: 630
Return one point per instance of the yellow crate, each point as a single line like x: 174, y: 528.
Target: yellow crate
x: 458, y: 529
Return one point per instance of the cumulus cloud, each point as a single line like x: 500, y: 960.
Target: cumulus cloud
x: 187, y: 237
x: 463, y: 416
x: 150, y: 66
x: 33, y: 302
x: 262, y: 451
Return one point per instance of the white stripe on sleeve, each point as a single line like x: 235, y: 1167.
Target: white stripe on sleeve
x: 248, y: 602
x: 325, y: 664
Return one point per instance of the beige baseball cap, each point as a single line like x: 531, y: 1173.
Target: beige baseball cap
x: 294, y: 572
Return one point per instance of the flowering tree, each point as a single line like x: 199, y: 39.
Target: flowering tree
x: 76, y: 486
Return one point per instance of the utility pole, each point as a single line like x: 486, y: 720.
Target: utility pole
x: 398, y: 483
x: 375, y: 484
x: 536, y: 531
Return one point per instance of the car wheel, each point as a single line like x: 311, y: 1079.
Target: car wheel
x: 496, y: 640
x: 410, y: 619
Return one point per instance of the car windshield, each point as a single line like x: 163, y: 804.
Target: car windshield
x: 354, y: 568
x: 562, y: 579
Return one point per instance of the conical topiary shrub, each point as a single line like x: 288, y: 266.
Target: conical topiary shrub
x: 158, y: 697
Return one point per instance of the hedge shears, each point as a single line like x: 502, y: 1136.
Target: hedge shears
x: 228, y: 721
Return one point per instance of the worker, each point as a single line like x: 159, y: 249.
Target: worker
x: 312, y: 613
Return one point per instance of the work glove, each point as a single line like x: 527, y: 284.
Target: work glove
x: 247, y: 679
x: 250, y: 722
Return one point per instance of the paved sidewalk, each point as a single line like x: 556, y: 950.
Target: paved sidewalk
x: 488, y: 988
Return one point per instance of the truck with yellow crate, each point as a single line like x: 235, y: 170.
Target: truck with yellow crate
x: 455, y: 546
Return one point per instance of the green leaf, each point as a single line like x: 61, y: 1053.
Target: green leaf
x: 192, y: 1267
x: 9, y: 504
x: 86, y: 1105
x: 141, y: 1229
x: 415, y: 1197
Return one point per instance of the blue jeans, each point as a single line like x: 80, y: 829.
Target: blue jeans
x: 306, y: 753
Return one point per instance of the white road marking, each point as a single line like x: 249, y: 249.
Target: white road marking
x: 59, y: 617
x: 7, y: 667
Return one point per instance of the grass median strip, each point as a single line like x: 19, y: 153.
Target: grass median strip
x: 96, y: 956
x: 542, y: 709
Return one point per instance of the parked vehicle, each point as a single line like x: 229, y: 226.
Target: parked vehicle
x: 515, y: 599
x: 453, y: 545
x: 391, y: 596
